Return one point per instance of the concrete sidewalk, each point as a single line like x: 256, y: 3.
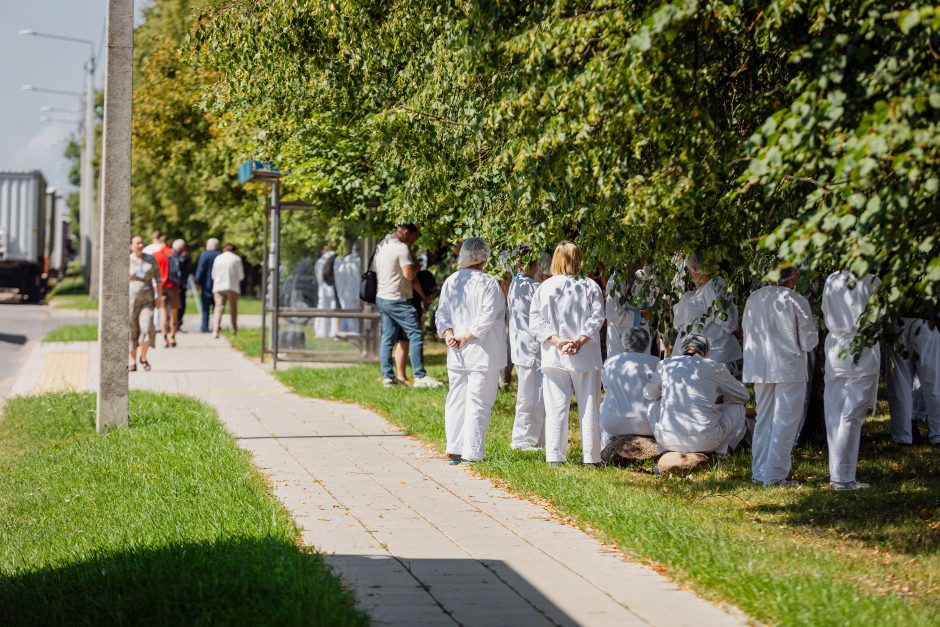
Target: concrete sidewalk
x: 420, y: 542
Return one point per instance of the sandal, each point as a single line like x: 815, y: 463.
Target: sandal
x: 145, y: 364
x: 132, y: 368
x: 173, y: 341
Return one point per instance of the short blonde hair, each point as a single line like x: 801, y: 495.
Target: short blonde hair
x: 567, y: 259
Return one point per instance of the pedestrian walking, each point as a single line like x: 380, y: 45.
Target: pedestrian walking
x: 144, y: 282
x: 185, y: 270
x: 227, y: 274
x: 204, y: 280
x: 171, y: 277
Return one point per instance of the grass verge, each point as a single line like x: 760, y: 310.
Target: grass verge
x: 166, y: 523
x: 73, y: 333
x: 805, y: 556
x: 247, y: 305
x: 248, y: 341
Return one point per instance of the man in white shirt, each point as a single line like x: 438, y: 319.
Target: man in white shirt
x: 779, y: 330
x: 227, y: 275
x: 471, y: 318
x: 528, y: 431
x: 851, y: 384
x: 625, y: 410
x: 396, y: 272
x: 698, y: 405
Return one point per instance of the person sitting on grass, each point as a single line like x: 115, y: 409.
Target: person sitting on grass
x: 471, y: 317
x: 624, y: 410
x: 698, y: 405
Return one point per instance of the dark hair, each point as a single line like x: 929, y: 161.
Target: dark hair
x: 229, y: 248
x: 157, y: 233
x: 410, y: 227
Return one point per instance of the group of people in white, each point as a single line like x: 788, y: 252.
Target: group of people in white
x: 692, y: 401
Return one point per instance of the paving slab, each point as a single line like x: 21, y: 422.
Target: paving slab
x: 419, y: 541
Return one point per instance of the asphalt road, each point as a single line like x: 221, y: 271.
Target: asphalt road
x: 20, y: 326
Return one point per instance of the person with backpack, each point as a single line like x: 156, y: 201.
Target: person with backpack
x: 171, y: 273
x: 227, y: 274
x: 182, y: 272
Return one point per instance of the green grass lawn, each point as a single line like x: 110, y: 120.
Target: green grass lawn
x: 247, y: 305
x: 249, y: 342
x: 806, y: 556
x: 165, y: 523
x: 73, y: 333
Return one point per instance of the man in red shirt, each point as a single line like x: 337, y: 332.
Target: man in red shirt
x: 170, y: 303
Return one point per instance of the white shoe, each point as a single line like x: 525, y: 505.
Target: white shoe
x: 849, y: 485
x: 426, y: 382
x: 390, y: 382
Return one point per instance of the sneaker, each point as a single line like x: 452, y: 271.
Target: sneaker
x: 784, y: 483
x: 849, y: 485
x: 389, y: 382
x: 427, y: 382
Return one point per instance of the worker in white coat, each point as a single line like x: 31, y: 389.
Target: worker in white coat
x: 779, y: 330
x: 851, y: 383
x: 528, y: 430
x: 708, y: 310
x: 325, y: 270
x: 626, y: 306
x: 566, y: 316
x: 698, y: 405
x: 914, y: 355
x: 471, y: 317
x: 624, y: 410
x: 348, y: 271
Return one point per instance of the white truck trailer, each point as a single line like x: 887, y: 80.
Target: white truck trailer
x: 24, y: 221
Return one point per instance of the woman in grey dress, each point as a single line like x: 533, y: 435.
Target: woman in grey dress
x: 144, y: 279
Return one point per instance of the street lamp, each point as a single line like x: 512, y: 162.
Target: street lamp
x: 87, y: 226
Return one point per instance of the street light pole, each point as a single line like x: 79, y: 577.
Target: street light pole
x: 114, y: 234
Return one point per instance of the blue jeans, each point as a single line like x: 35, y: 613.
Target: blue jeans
x: 207, y: 304
x: 400, y: 314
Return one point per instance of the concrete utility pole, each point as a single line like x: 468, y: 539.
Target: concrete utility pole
x: 115, y: 218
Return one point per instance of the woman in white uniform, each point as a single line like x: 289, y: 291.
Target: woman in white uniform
x: 708, y: 310
x: 620, y: 307
x: 326, y: 295
x: 566, y: 316
x: 528, y: 431
x: 348, y: 270
x: 471, y: 317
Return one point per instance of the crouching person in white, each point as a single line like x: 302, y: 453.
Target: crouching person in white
x: 778, y: 332
x: 566, y: 316
x: 698, y: 405
x: 528, y: 430
x: 471, y: 317
x: 851, y: 384
x: 624, y: 410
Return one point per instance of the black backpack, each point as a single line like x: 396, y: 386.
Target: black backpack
x: 329, y: 273
x: 369, y: 283
x: 174, y: 272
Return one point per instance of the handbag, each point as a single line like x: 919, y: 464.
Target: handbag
x: 369, y: 283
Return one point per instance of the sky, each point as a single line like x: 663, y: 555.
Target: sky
x: 28, y: 143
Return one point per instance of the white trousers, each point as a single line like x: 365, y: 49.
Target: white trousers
x: 467, y: 411
x: 779, y: 410
x: 325, y: 327
x: 846, y: 405
x: 899, y: 376
x: 528, y: 430
x: 557, y: 387
x: 732, y: 428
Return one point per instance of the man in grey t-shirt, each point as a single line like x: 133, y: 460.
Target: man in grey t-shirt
x: 395, y: 271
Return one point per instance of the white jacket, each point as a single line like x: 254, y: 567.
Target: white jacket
x: 524, y: 348
x: 779, y: 330
x: 625, y: 377
x: 472, y: 302
x: 688, y: 387
x: 348, y: 270
x: 698, y: 312
x: 568, y: 307
x: 227, y: 273
x: 843, y: 302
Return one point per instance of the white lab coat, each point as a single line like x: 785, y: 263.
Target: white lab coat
x: 570, y: 307
x: 528, y: 429
x: 779, y: 330
x: 685, y: 416
x: 621, y: 314
x: 700, y: 311
x: 326, y: 297
x: 851, y: 386
x: 624, y: 410
x: 915, y: 354
x: 472, y: 303
x: 348, y: 271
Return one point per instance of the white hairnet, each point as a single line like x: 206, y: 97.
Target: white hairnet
x: 474, y: 250
x: 693, y: 262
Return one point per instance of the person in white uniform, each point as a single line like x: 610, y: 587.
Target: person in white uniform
x: 779, y: 330
x: 698, y: 405
x: 624, y: 410
x: 566, y: 316
x: 471, y: 317
x: 915, y: 354
x: 851, y: 383
x: 708, y: 310
x: 528, y: 430
x: 326, y: 294
x: 621, y: 310
x: 348, y: 271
